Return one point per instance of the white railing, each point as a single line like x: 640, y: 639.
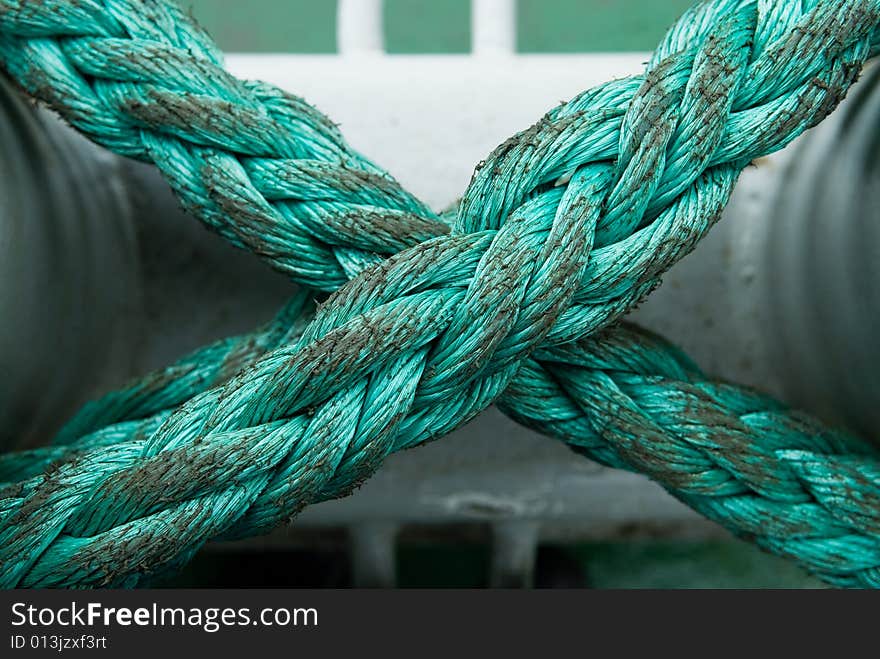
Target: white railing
x: 359, y: 27
x: 493, y: 27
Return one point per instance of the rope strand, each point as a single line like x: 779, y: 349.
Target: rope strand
x: 261, y: 167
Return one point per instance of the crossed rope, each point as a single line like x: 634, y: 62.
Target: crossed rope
x: 563, y: 229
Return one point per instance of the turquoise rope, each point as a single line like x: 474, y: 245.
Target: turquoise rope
x: 561, y: 231
x: 258, y: 165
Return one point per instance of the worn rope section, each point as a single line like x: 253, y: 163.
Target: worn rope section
x: 630, y: 400
x: 258, y: 165
x: 566, y: 226
x: 772, y: 476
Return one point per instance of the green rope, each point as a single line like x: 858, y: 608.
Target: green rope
x: 561, y: 231
x: 256, y: 164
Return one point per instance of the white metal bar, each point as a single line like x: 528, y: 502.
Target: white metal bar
x: 359, y: 27
x: 514, y: 549
x: 493, y: 27
x: 373, y: 548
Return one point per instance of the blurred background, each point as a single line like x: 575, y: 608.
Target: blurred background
x: 440, y: 26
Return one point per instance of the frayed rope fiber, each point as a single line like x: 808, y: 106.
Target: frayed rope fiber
x: 562, y: 230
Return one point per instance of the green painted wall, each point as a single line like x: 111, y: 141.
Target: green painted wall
x: 427, y: 26
x: 281, y: 26
x: 565, y: 26
x: 439, y: 26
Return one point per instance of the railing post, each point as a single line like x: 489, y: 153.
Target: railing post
x: 493, y: 27
x: 359, y: 27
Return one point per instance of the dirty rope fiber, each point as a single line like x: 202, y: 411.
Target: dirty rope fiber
x: 561, y: 231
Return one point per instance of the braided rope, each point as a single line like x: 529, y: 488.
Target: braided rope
x: 772, y: 476
x: 422, y: 342
x: 583, y: 131
x: 261, y: 167
x: 629, y: 400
